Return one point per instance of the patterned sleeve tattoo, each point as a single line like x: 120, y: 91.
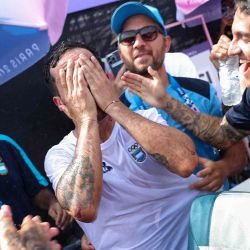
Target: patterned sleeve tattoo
x: 76, y: 186
x: 208, y: 128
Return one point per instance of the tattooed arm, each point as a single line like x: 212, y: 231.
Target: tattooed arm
x: 79, y: 188
x: 170, y: 146
x: 213, y: 130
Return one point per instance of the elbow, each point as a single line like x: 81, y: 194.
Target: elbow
x: 84, y: 214
x: 185, y: 172
x: 187, y: 166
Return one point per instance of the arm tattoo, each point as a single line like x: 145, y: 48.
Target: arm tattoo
x: 76, y: 186
x: 160, y: 159
x: 207, y: 128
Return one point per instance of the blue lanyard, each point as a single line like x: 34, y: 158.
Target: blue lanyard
x: 187, y: 101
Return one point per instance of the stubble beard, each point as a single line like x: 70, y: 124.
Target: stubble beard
x: 143, y: 71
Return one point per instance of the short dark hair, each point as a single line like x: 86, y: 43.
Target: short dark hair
x: 54, y: 56
x: 243, y: 5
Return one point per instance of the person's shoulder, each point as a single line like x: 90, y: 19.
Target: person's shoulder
x: 64, y: 145
x: 195, y: 85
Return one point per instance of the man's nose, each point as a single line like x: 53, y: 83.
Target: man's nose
x: 138, y: 41
x: 234, y: 48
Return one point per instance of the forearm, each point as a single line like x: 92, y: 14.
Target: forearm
x: 210, y: 129
x: 168, y: 145
x: 234, y: 159
x: 44, y: 198
x: 79, y: 188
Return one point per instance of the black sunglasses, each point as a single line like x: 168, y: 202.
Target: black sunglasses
x: 148, y: 33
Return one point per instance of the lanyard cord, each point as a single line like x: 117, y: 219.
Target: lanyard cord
x: 187, y: 101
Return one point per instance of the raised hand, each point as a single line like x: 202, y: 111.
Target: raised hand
x: 222, y: 50
x: 10, y: 239
x: 78, y: 102
x: 101, y: 87
x: 33, y: 234
x: 151, y: 90
x: 118, y: 82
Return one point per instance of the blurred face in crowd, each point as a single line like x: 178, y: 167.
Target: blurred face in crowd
x: 241, y: 39
x: 74, y: 55
x: 144, y: 50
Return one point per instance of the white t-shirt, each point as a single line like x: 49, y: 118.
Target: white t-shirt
x: 143, y: 205
x: 180, y: 65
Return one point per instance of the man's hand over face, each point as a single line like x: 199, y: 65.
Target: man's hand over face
x: 101, y: 87
x: 78, y: 102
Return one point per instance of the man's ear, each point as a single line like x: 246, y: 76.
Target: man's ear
x: 168, y: 41
x: 58, y: 102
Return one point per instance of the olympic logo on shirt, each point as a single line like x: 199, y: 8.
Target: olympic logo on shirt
x: 137, y: 152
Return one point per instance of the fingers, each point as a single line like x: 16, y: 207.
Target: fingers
x: 27, y: 219
x: 204, y: 172
x: 6, y: 222
x: 133, y: 78
x: 86, y: 244
x: 69, y: 76
x: 206, y: 184
x: 233, y: 49
x: 65, y: 220
x: 96, y: 64
x: 81, y: 80
x: 224, y: 41
x: 59, y: 217
x: 8, y: 232
x: 5, y: 211
x: 54, y: 245
x: 62, y: 87
x: 153, y: 73
x: 220, y: 50
x: 75, y: 77
x: 50, y: 232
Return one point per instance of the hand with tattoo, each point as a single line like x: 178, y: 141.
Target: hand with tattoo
x: 33, y: 234
x: 151, y: 90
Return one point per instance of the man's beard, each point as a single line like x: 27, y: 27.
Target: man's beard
x: 156, y: 64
